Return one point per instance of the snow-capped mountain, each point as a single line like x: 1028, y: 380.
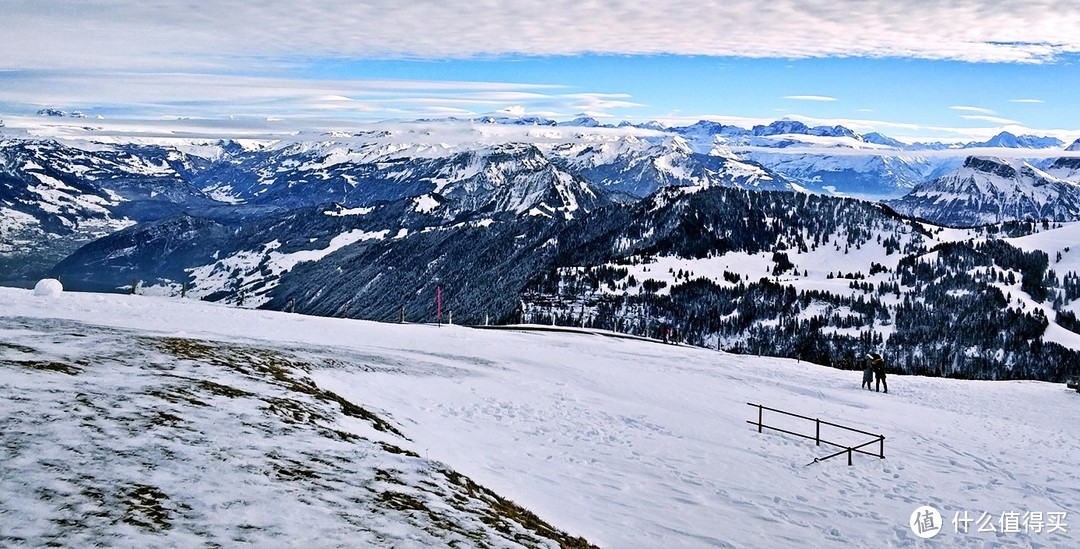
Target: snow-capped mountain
x: 869, y: 175
x: 993, y: 190
x: 1011, y: 141
x: 55, y: 197
x: 824, y: 159
x: 639, y: 167
x: 1067, y: 167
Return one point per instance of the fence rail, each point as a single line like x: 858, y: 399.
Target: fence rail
x: 846, y: 449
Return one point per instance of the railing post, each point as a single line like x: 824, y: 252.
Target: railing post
x: 817, y: 432
x: 882, y: 452
x: 759, y: 418
x: 849, y: 457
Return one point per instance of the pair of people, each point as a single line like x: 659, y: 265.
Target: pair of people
x: 875, y: 368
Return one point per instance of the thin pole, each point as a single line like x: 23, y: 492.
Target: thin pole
x: 882, y: 453
x: 759, y: 418
x: 849, y: 457
x: 817, y: 432
x: 438, y: 304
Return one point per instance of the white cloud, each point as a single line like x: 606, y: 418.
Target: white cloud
x: 965, y: 108
x: 187, y: 35
x: 810, y: 98
x: 991, y: 119
x: 1026, y: 101
x: 208, y: 95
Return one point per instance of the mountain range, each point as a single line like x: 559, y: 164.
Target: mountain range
x: 57, y: 195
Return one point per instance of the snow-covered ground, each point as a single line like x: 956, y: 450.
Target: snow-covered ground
x: 627, y: 443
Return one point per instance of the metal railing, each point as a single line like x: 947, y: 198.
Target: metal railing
x: 849, y: 450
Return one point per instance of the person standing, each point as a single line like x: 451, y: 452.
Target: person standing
x: 877, y: 364
x: 868, y: 374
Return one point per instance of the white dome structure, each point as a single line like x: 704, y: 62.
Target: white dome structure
x: 48, y: 287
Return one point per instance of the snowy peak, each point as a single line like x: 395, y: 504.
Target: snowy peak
x: 781, y: 127
x: 518, y: 178
x: 57, y: 113
x: 993, y: 190
x: 998, y: 167
x: 879, y: 139
x: 1010, y: 141
x: 638, y: 167
x: 583, y: 122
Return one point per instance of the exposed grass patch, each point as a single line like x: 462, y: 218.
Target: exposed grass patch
x: 16, y: 347
x: 287, y: 469
x: 145, y: 507
x: 268, y: 364
x: 277, y: 403
x: 502, y: 509
x: 45, y: 366
x: 177, y: 395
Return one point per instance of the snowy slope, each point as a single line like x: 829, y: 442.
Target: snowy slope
x: 638, y: 167
x: 627, y: 443
x: 992, y: 190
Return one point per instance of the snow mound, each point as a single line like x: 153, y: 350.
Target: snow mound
x: 48, y: 287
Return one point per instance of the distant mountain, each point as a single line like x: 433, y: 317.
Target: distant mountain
x: 56, y: 196
x: 1010, y: 141
x: 848, y: 174
x: 879, y: 139
x: 824, y: 159
x: 582, y: 122
x: 517, y: 120
x: 781, y: 127
x: 638, y: 167
x: 992, y: 190
x: 706, y: 131
x: 1067, y: 167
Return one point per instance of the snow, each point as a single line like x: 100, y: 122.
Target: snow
x: 220, y: 275
x: 628, y: 443
x: 1065, y: 240
x: 48, y: 287
x: 425, y: 203
x: 349, y: 211
x: 14, y: 220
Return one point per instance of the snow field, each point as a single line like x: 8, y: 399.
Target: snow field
x: 637, y: 444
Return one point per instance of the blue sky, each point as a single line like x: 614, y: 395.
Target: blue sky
x: 964, y: 70
x: 680, y: 89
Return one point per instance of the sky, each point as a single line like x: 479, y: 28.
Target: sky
x: 965, y: 70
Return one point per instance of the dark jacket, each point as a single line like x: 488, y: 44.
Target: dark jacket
x: 877, y: 364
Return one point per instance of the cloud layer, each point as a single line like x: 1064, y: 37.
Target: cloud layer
x: 156, y: 34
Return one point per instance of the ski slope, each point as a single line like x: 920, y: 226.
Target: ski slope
x: 632, y: 443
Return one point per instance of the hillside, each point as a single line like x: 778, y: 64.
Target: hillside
x: 781, y: 274
x: 623, y: 442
